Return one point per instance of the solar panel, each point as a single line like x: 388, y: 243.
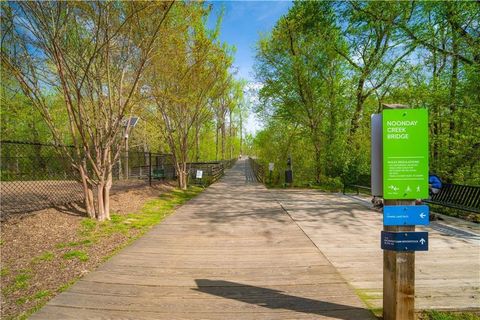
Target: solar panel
x: 133, y: 121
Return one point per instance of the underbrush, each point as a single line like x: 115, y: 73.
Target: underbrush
x: 465, y: 215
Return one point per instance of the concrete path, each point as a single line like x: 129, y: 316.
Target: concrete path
x: 347, y: 232
x: 231, y: 253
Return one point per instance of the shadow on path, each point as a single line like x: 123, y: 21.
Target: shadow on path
x: 275, y: 299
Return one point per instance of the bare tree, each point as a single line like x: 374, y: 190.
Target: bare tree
x: 94, y: 55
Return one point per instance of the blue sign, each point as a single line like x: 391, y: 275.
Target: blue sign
x: 404, y: 241
x: 406, y: 215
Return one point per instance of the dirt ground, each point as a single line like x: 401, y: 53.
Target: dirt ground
x: 33, y: 265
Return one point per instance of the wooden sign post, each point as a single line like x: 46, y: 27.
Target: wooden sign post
x: 398, y: 276
x: 405, y: 178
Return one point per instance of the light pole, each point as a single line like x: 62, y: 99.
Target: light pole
x: 129, y: 123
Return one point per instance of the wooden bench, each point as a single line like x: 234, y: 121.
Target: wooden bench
x: 356, y: 186
x: 362, y: 182
x: 457, y: 196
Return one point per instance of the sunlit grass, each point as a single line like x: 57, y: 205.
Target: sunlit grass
x: 46, y: 256
x: 437, y: 315
x: 78, y: 254
x: 151, y: 214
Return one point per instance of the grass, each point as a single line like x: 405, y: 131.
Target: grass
x: 67, y: 285
x: 21, y: 301
x: 86, y: 242
x: 78, y: 254
x: 21, y: 280
x: 151, y: 214
x: 46, y: 256
x: 37, y: 296
x: 367, y: 297
x: 41, y: 294
x: 4, y: 272
x: 437, y: 315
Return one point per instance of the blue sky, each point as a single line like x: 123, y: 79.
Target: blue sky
x: 243, y: 23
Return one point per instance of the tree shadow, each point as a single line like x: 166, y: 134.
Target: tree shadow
x: 72, y: 208
x: 275, y: 299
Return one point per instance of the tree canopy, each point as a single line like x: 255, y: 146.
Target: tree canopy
x: 74, y: 73
x: 327, y: 66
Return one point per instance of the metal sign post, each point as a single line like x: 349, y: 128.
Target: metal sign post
x: 127, y: 124
x: 289, y: 172
x: 405, y: 178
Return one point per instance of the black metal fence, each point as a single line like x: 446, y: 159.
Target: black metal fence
x: 34, y: 176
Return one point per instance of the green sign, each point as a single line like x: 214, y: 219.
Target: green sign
x: 405, y: 154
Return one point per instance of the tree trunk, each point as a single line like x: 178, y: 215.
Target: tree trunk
x: 182, y: 175
x: 197, y: 143
x: 355, y: 123
x: 332, y: 129
x: 241, y: 133
x: 100, y: 201
x: 37, y: 146
x: 106, y: 192
x: 453, y: 85
x: 216, y: 140
x: 435, y: 110
x: 224, y: 136
x: 230, y: 129
x: 88, y: 193
x: 318, y: 157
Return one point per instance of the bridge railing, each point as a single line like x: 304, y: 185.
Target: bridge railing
x: 212, y: 171
x: 258, y: 169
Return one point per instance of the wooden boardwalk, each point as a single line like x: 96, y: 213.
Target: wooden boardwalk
x: 231, y: 253
x: 347, y: 232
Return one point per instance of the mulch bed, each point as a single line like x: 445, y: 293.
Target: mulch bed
x: 33, y: 266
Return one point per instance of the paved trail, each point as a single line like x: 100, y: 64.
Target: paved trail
x: 230, y: 253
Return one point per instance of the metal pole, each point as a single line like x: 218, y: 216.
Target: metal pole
x: 126, y: 157
x: 150, y: 169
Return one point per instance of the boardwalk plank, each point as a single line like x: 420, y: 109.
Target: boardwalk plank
x: 231, y: 253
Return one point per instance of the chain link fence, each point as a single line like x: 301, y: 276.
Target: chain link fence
x: 34, y: 176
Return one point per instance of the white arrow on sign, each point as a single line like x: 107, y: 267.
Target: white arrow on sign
x: 422, y: 215
x: 422, y: 241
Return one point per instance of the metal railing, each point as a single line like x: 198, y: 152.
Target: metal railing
x: 212, y: 171
x: 258, y: 170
